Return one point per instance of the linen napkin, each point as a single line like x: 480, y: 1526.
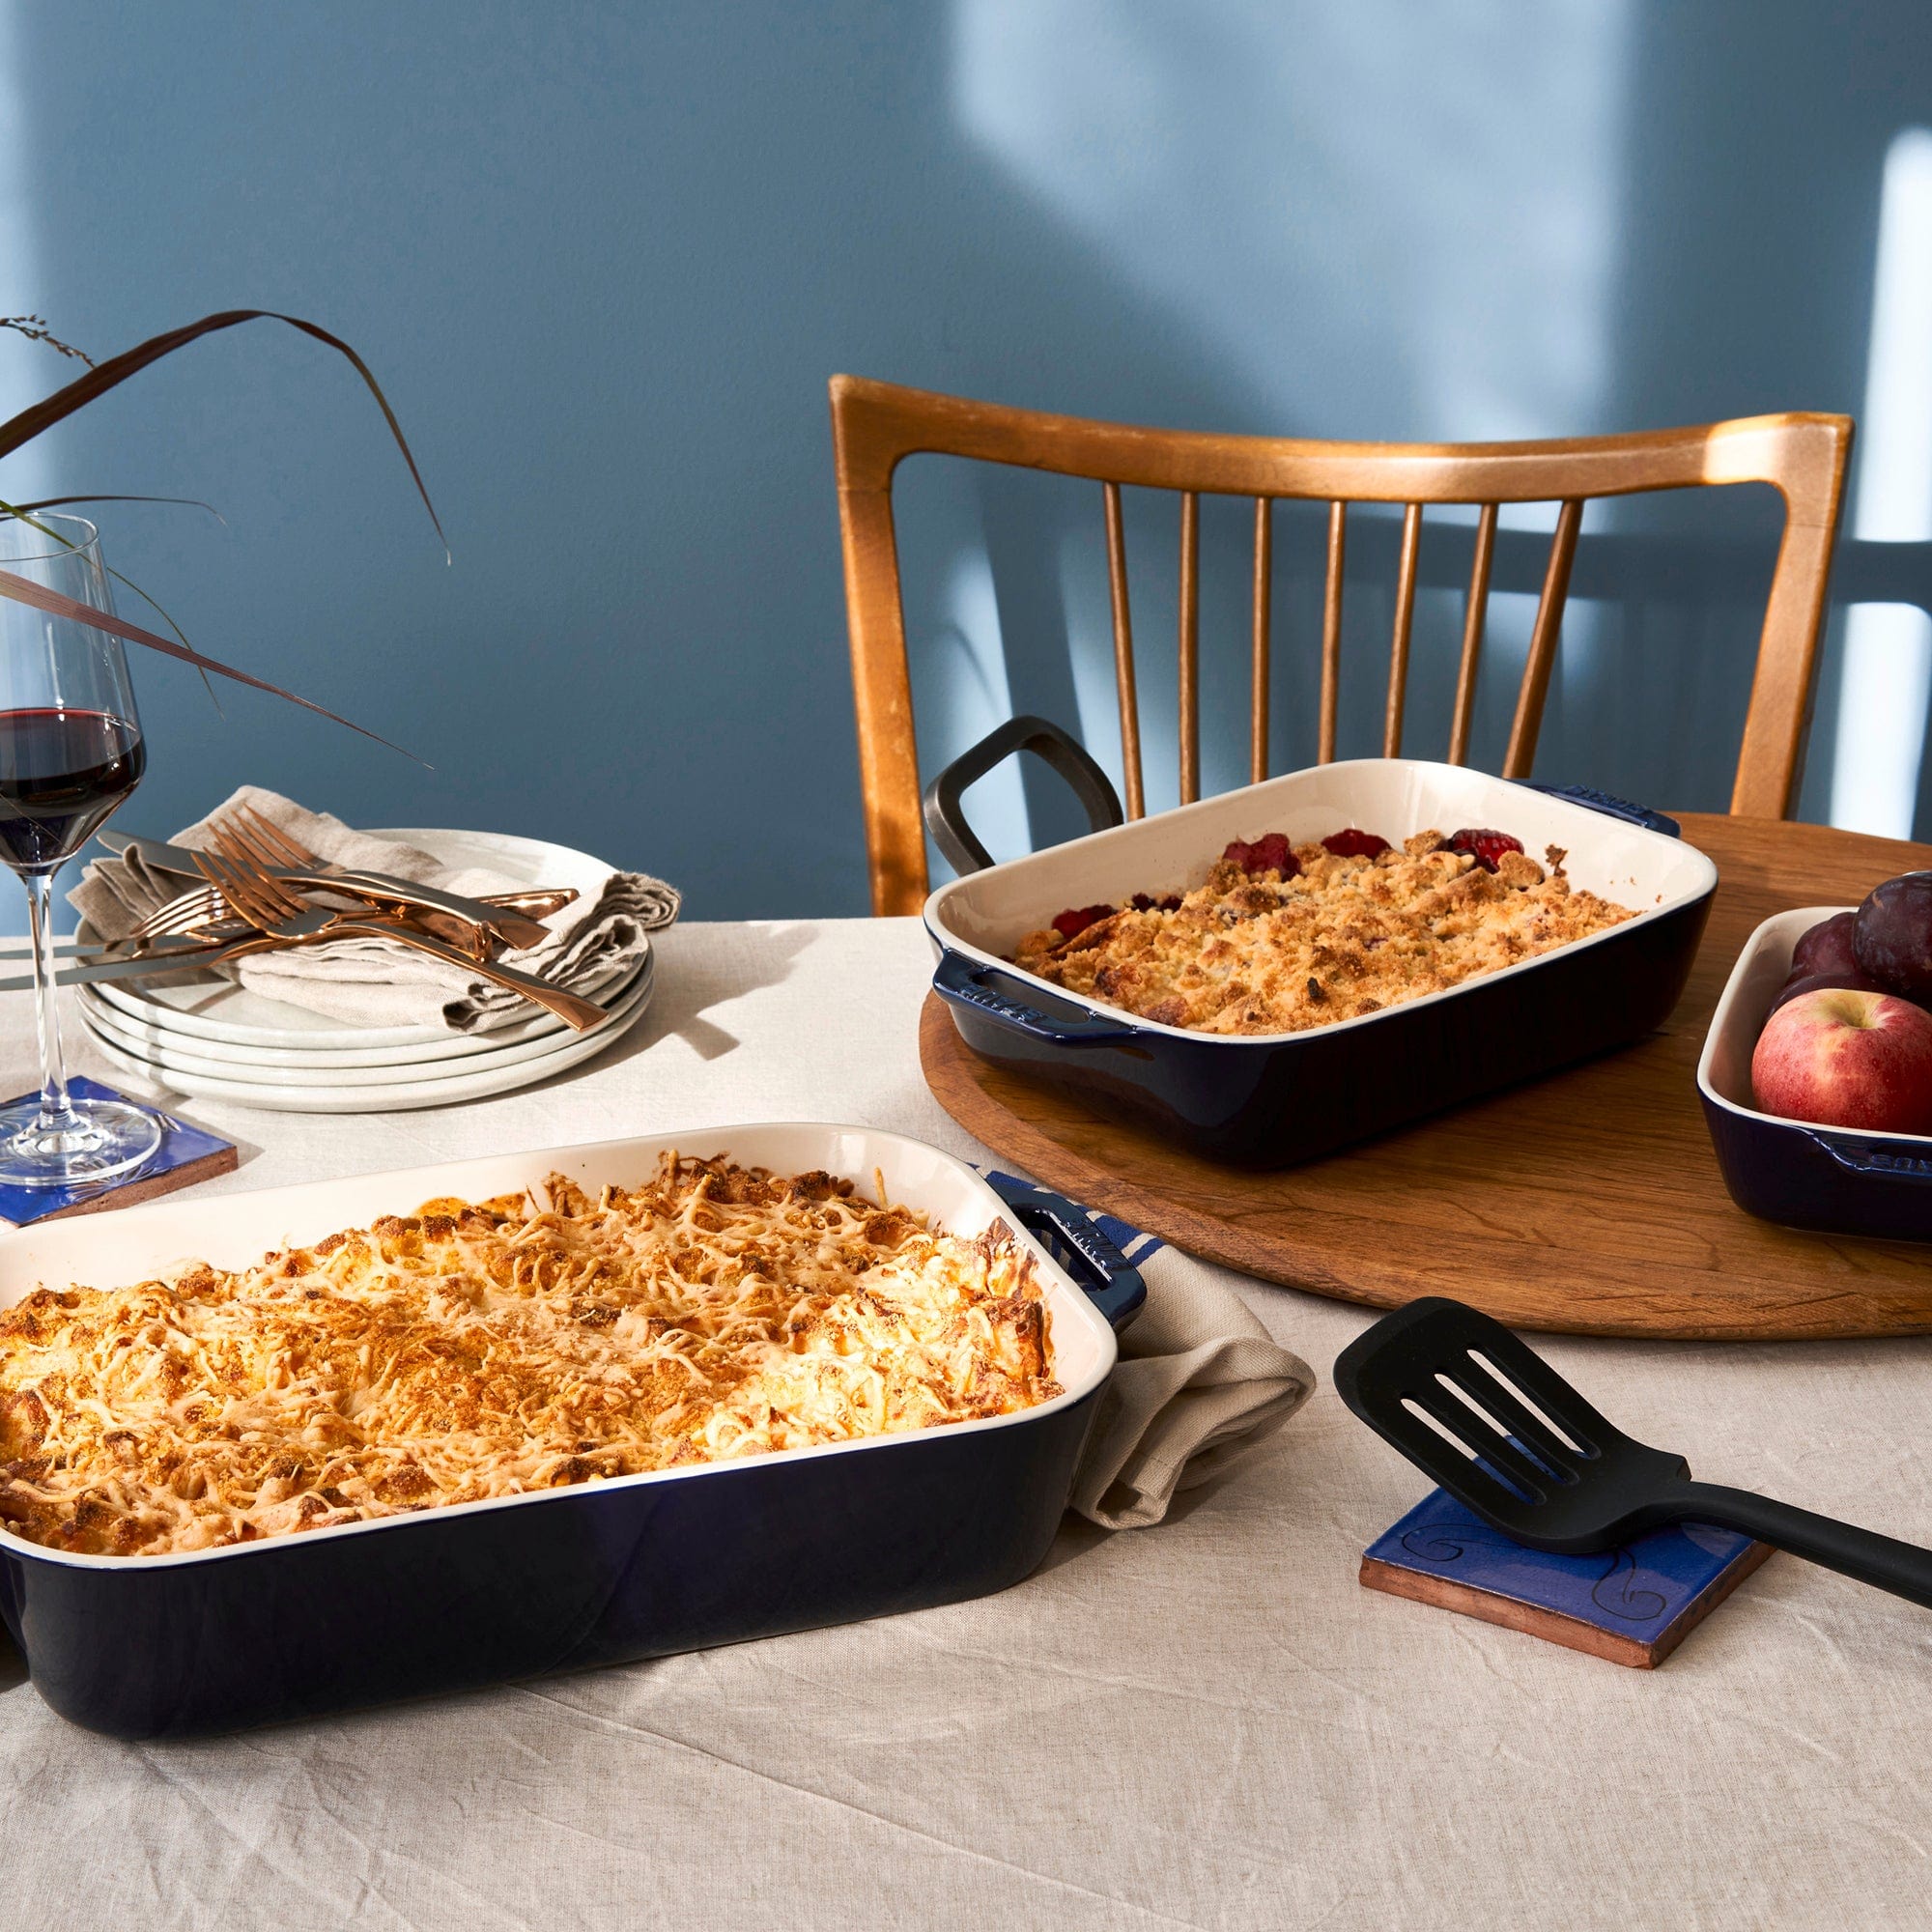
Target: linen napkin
x: 595, y: 941
x: 1200, y: 1384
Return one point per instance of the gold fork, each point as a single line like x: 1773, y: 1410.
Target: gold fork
x: 201, y: 916
x: 283, y: 918
x: 478, y: 942
x: 188, y: 912
x: 250, y: 837
x: 197, y: 910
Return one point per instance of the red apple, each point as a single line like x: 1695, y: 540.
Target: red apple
x: 1847, y: 1059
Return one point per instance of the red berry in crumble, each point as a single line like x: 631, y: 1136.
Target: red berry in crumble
x: 1269, y: 853
x: 1484, y: 846
x: 1354, y: 844
x: 1077, y: 918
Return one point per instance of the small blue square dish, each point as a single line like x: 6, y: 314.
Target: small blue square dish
x: 1832, y: 1181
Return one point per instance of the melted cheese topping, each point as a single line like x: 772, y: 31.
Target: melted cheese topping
x: 486, y: 1350
x: 1247, y: 954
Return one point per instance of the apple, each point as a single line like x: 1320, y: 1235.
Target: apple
x: 1799, y: 983
x: 1847, y: 1059
x: 1891, y: 938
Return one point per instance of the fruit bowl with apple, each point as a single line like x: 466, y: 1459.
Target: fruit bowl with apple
x: 1816, y: 1075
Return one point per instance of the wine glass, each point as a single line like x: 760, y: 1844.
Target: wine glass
x: 70, y: 752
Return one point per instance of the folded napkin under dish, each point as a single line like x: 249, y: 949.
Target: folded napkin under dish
x: 596, y: 942
x: 1200, y: 1382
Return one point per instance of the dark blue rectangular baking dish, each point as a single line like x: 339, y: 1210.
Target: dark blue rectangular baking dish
x: 1267, y: 1100
x: 600, y: 1572
x: 1831, y: 1179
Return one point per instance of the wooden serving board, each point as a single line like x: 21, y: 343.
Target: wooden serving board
x: 1588, y: 1203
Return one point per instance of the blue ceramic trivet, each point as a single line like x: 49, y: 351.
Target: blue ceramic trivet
x: 187, y: 1154
x: 1634, y: 1605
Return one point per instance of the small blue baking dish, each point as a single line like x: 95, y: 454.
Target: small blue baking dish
x: 1831, y: 1179
x: 1266, y: 1100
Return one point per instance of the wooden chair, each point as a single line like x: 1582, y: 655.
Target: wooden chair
x: 875, y: 425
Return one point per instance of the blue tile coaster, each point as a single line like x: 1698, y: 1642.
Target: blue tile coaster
x: 1633, y: 1605
x: 187, y: 1154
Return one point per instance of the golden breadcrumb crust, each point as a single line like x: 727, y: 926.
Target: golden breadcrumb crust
x: 477, y: 1350
x: 1256, y: 954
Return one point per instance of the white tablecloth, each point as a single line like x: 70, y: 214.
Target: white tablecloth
x: 1208, y: 1724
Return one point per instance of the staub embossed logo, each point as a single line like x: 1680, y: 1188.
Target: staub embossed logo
x: 1895, y: 1163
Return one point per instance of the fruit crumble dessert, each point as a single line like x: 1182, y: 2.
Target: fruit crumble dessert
x: 479, y: 1350
x: 1282, y: 938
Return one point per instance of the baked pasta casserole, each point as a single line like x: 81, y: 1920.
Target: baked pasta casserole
x: 489, y: 1348
x: 1281, y: 938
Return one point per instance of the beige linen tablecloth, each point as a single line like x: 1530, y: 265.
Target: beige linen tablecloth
x: 1207, y: 1724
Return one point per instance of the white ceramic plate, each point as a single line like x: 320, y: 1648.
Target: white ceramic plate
x: 171, y: 1054
x: 220, y: 1010
x: 498, y: 1076
x: 142, y: 1031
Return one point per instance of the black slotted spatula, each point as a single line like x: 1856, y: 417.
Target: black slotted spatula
x: 1492, y: 1424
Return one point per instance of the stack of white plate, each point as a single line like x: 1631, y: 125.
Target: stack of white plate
x: 213, y: 1039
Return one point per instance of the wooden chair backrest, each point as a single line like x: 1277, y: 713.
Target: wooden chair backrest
x: 876, y: 425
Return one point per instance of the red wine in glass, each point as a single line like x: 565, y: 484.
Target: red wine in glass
x: 61, y: 774
x: 70, y: 752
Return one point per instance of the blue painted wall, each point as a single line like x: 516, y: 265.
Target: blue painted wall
x: 604, y: 259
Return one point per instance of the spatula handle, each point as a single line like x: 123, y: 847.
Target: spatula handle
x: 1883, y: 1561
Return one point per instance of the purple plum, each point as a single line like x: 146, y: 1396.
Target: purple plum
x: 1892, y: 939
x: 1827, y: 947
x: 1801, y: 984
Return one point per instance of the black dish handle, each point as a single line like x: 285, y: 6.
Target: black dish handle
x: 1610, y: 806
x: 1882, y: 1561
x: 964, y: 982
x: 1110, y: 1280
x: 946, y: 819
x: 1874, y: 1157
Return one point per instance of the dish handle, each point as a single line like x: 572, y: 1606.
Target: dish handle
x: 1610, y: 806
x: 963, y: 981
x: 1873, y: 1157
x: 946, y: 817
x: 1108, y: 1279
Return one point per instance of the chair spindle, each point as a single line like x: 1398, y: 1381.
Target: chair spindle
x: 1258, y: 749
x: 1473, y: 620
x: 1405, y: 623
x: 1124, y: 652
x: 1191, y: 646
x: 1535, y: 687
x: 1331, y: 633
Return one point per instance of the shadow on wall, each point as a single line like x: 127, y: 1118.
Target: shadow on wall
x: 604, y: 264
x: 1759, y: 162
x: 604, y: 260
x: 1637, y: 215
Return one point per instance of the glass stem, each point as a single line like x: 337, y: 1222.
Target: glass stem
x: 55, y: 1113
